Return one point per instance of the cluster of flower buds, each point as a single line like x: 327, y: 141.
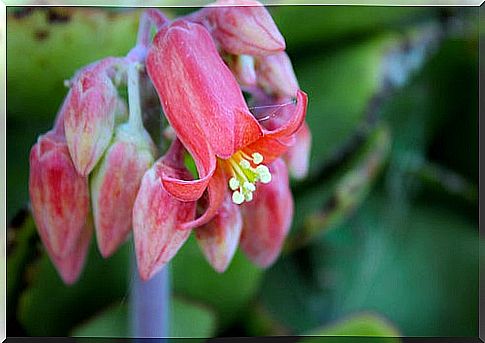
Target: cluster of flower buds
x: 98, y: 167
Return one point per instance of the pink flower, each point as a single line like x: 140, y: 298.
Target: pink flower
x: 157, y: 214
x: 205, y: 106
x: 115, y: 183
x: 60, y: 203
x: 242, y: 27
x: 90, y: 115
x: 267, y: 219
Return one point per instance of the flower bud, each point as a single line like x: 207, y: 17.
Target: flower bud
x: 69, y: 267
x: 90, y: 116
x: 219, y: 238
x: 244, y: 27
x: 59, y: 195
x: 157, y: 214
x: 298, y: 155
x: 267, y: 218
x: 275, y: 74
x: 115, y: 183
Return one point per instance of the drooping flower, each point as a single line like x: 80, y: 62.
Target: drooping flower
x: 267, y: 219
x: 116, y: 179
x: 242, y: 27
x: 156, y: 214
x: 205, y: 106
x: 60, y: 202
x: 90, y: 115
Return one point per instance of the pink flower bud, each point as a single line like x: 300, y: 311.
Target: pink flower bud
x: 157, y: 214
x: 298, y: 155
x: 244, y: 27
x: 59, y: 196
x: 90, y: 116
x: 219, y: 238
x: 267, y: 218
x: 69, y: 267
x: 275, y: 74
x: 115, y: 183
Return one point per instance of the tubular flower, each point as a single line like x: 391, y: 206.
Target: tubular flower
x: 90, y: 115
x: 156, y: 214
x: 205, y: 106
x: 242, y: 27
x: 60, y: 203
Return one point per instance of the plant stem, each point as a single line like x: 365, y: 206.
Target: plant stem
x: 135, y: 119
x: 150, y: 305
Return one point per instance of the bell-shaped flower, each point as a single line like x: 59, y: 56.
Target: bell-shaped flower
x: 243, y: 27
x: 267, y: 218
x: 205, y: 107
x: 156, y: 214
x: 219, y: 238
x: 59, y: 195
x: 90, y: 115
x: 115, y: 183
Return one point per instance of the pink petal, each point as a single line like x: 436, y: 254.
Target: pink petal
x: 114, y: 186
x: 199, y: 94
x: 276, y: 75
x: 268, y: 217
x: 89, y: 117
x: 219, y: 238
x: 244, y: 27
x: 298, y: 155
x: 69, y: 267
x: 59, y: 195
x: 156, y: 216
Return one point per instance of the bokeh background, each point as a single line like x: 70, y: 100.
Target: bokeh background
x: 385, y: 235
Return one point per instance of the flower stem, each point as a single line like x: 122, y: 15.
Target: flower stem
x: 150, y: 305
x: 135, y: 118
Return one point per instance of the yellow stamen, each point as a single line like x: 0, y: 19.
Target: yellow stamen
x: 246, y: 171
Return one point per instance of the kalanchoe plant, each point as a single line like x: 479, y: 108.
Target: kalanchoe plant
x: 238, y: 193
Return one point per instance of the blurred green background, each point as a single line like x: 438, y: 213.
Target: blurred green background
x: 385, y: 237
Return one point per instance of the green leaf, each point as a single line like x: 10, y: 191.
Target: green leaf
x: 228, y: 293
x: 362, y: 324
x: 337, y: 103
x: 416, y: 265
x: 187, y: 319
x: 50, y: 308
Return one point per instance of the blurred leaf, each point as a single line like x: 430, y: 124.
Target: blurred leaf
x: 347, y: 191
x: 187, y: 319
x: 229, y: 293
x: 362, y: 324
x: 330, y: 25
x: 416, y: 266
x: 50, y: 308
x: 337, y: 102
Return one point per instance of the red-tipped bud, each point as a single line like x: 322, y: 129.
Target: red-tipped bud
x: 156, y: 215
x: 298, y: 155
x: 219, y: 238
x: 69, y: 267
x: 275, y: 74
x: 59, y: 196
x: 244, y: 27
x: 267, y: 219
x: 90, y: 116
x: 115, y: 183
